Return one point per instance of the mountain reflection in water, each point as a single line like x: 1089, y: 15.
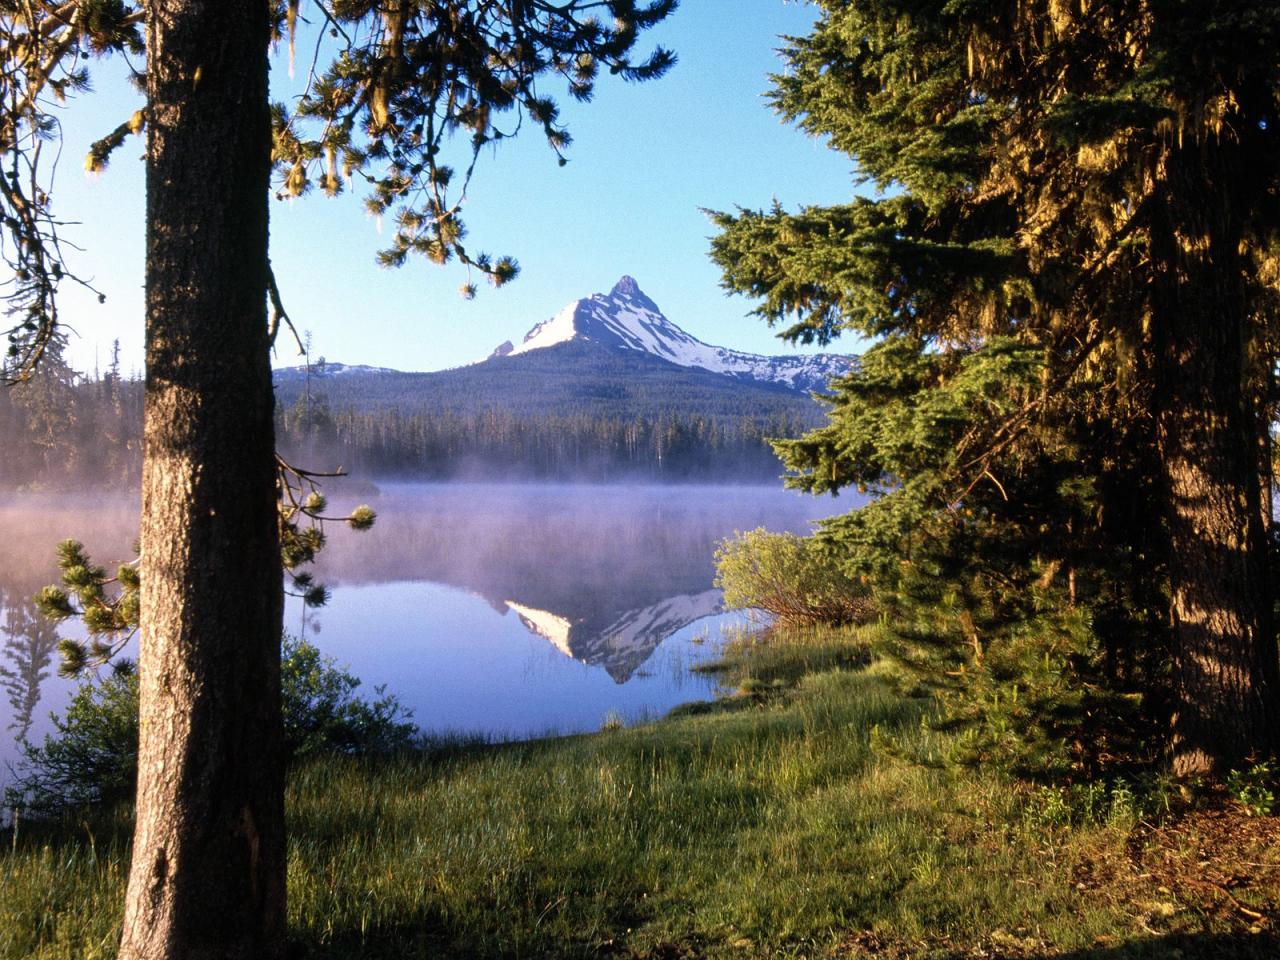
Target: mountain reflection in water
x: 603, y: 574
x: 456, y: 599
x: 626, y: 642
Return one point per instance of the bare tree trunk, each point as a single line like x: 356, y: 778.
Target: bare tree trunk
x: 207, y: 878
x: 1227, y: 677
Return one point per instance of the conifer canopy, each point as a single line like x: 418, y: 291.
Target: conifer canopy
x: 1069, y: 271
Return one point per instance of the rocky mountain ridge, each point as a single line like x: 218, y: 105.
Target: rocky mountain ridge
x: 626, y: 322
x: 625, y: 318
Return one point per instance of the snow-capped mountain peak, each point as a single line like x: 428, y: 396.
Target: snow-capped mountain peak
x: 628, y: 289
x: 328, y: 369
x: 626, y: 319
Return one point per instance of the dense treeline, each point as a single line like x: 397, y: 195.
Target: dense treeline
x: 498, y: 444
x: 577, y: 376
x: 574, y: 411
x: 64, y: 429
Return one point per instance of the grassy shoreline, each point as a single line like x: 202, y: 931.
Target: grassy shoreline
x: 811, y: 814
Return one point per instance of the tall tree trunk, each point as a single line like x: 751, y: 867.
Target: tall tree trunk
x: 207, y: 878
x: 1227, y: 676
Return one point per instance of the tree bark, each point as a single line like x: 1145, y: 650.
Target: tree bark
x: 208, y: 870
x: 1226, y: 672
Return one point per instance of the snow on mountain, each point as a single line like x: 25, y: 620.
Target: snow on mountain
x: 623, y: 643
x: 624, y: 318
x: 329, y: 368
x: 552, y: 628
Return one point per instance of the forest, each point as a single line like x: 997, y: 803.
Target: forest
x: 68, y: 431
x: 63, y: 430
x: 1023, y: 702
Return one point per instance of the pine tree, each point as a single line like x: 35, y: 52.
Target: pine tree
x: 49, y: 405
x: 208, y: 870
x: 1071, y: 275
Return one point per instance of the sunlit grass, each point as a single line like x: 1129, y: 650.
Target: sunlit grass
x: 772, y: 823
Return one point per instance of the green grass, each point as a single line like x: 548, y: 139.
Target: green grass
x: 774, y: 823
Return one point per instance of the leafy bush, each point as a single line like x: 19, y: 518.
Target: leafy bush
x: 92, y: 757
x: 323, y: 714
x: 789, y: 577
x: 1253, y: 788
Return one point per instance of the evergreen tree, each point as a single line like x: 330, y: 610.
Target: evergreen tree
x: 1071, y: 275
x: 208, y: 870
x: 47, y: 404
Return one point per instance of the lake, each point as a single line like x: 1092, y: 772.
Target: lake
x: 508, y: 611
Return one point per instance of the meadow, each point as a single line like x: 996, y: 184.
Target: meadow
x: 813, y: 812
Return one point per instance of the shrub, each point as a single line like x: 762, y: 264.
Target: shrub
x: 92, y: 755
x: 1253, y: 789
x: 323, y: 714
x: 789, y: 577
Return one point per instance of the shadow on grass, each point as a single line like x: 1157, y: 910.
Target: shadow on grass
x: 413, y: 940
x: 431, y: 936
x: 1182, y: 946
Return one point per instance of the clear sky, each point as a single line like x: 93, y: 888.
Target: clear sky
x: 645, y: 159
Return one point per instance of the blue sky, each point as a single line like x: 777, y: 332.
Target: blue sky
x: 645, y: 159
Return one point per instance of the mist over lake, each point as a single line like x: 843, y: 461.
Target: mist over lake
x: 503, y: 610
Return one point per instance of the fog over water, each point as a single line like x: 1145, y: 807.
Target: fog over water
x: 506, y: 610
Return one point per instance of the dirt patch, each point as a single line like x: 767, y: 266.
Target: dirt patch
x: 1204, y: 883
x: 1213, y: 868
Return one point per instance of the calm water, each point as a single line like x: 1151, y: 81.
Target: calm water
x: 506, y: 610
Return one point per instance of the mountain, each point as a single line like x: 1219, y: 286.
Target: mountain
x: 331, y: 368
x: 574, y: 378
x: 612, y: 354
x: 608, y: 389
x: 626, y: 319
